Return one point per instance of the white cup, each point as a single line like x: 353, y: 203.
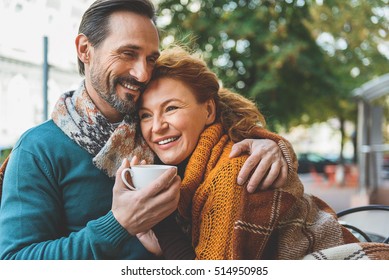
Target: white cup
x: 143, y: 175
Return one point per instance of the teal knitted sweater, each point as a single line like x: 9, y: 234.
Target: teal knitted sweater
x: 56, y: 203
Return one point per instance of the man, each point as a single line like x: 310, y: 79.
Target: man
x: 58, y: 201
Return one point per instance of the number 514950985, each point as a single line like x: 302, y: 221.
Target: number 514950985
x: 241, y: 270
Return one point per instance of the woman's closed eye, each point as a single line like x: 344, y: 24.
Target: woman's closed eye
x: 171, y: 108
x: 144, y: 115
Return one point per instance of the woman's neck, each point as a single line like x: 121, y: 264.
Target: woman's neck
x: 182, y: 167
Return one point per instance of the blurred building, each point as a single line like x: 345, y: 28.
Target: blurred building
x: 24, y: 24
x: 373, y: 146
x: 322, y: 138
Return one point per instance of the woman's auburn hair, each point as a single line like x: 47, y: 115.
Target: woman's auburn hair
x: 237, y: 114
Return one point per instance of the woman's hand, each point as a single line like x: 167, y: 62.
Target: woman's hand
x: 150, y: 242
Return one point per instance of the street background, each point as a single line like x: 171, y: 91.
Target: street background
x: 298, y: 60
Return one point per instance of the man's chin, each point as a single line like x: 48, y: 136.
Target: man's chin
x: 123, y: 106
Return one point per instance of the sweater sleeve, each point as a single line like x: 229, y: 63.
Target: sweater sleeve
x: 32, y: 221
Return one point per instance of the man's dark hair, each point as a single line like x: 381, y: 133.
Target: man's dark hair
x: 95, y: 21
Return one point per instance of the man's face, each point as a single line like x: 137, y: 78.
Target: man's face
x: 121, y: 66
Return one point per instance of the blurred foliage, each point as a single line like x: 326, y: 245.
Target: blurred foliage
x: 351, y: 33
x: 298, y: 60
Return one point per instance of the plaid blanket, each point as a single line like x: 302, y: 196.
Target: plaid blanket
x: 352, y: 251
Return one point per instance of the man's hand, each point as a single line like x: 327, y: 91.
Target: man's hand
x: 138, y: 211
x: 271, y: 168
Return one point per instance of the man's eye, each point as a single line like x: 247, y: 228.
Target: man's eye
x: 129, y: 54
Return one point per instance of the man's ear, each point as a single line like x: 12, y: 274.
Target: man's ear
x: 83, y: 48
x: 211, y: 109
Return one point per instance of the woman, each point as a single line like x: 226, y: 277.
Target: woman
x: 187, y: 121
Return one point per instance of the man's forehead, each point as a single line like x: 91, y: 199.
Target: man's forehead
x: 136, y: 31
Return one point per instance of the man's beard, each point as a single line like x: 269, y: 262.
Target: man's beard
x: 108, y: 93
x: 127, y: 106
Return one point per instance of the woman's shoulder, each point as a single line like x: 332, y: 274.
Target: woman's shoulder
x: 226, y: 162
x: 227, y: 168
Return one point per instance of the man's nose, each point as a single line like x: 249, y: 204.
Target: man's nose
x: 140, y: 71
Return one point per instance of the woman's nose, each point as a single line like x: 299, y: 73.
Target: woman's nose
x: 159, y: 125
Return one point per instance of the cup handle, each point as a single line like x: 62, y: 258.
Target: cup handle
x: 125, y: 180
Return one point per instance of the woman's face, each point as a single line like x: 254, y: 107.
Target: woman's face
x: 172, y: 120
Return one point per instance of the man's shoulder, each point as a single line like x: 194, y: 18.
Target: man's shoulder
x: 47, y: 129
x: 44, y: 135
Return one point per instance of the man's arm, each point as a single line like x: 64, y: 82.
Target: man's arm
x: 33, y: 213
x: 271, y: 159
x: 32, y: 222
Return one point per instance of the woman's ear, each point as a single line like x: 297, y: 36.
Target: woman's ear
x: 211, y: 110
x: 83, y: 48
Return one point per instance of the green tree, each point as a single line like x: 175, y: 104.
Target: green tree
x: 261, y: 49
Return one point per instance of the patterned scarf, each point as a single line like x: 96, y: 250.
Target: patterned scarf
x: 78, y: 117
